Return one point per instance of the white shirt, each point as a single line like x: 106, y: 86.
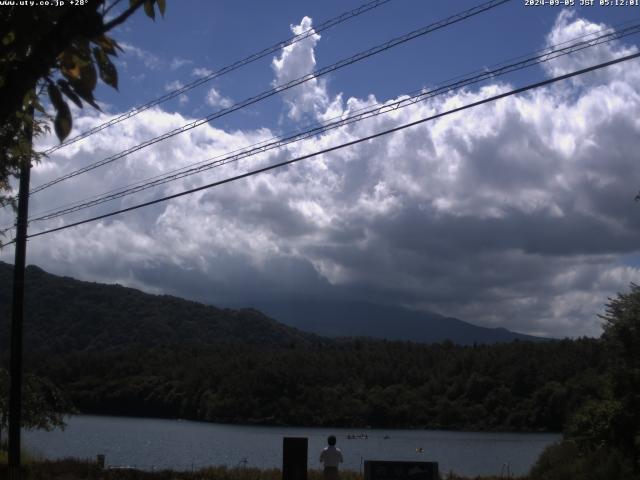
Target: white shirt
x: 331, y: 456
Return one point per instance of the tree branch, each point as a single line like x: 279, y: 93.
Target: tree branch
x: 122, y: 17
x: 108, y: 9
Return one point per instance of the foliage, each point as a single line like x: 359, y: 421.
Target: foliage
x: 62, y: 50
x: 43, y: 406
x: 590, y: 427
x: 115, y: 350
x: 66, y: 315
x: 622, y: 338
x: 566, y: 461
x: 603, y: 436
x: 359, y: 383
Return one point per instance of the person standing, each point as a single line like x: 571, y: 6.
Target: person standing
x: 331, y: 457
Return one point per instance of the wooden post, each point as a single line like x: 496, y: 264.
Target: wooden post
x: 15, y: 364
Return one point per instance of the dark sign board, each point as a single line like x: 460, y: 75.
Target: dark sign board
x: 387, y: 470
x: 294, y: 458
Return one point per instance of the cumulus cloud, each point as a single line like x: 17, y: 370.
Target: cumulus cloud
x: 295, y: 61
x: 518, y: 213
x: 567, y: 28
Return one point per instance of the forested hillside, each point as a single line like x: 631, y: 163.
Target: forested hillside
x: 63, y: 314
x: 115, y: 350
x: 518, y: 386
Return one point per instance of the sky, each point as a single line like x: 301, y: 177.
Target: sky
x: 519, y: 213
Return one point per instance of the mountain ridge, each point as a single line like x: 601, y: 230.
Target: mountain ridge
x: 363, y: 319
x: 57, y: 310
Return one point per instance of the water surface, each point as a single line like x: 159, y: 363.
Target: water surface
x: 153, y: 444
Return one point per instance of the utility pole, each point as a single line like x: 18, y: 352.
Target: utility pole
x: 15, y: 367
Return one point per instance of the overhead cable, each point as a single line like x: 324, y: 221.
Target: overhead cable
x: 361, y: 114
x: 222, y: 71
x: 280, y: 88
x: 603, y: 35
x: 343, y: 145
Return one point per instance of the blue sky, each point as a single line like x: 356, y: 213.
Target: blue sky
x: 516, y: 214
x: 213, y: 34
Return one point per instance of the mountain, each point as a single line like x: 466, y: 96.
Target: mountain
x: 64, y: 315
x: 359, y: 319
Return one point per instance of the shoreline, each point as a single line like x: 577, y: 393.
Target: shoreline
x: 327, y: 427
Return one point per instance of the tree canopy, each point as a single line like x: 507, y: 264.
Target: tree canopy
x: 622, y: 338
x: 44, y: 404
x: 602, y: 437
x: 61, y: 50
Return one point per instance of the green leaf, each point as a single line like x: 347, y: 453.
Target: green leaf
x: 66, y: 89
x: 38, y: 106
x: 84, y: 93
x: 162, y: 6
x: 55, y: 96
x: 83, y: 50
x: 109, y: 45
x: 10, y: 37
x: 70, y: 65
x: 89, y: 76
x: 108, y: 72
x: 148, y: 9
x: 62, y: 123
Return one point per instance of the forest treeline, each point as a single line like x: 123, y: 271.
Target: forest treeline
x: 519, y: 386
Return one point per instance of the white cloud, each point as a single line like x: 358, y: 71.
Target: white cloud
x: 295, y: 61
x: 518, y: 213
x: 149, y: 60
x: 173, y: 85
x: 215, y: 99
x: 177, y: 63
x: 138, y: 78
x: 177, y: 85
x: 201, y: 72
x: 569, y: 26
x: 153, y: 61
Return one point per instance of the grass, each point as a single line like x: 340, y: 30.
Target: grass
x: 75, y: 469
x: 27, y: 457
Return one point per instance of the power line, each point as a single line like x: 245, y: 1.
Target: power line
x: 344, y: 145
x: 362, y: 114
x: 280, y: 88
x: 224, y: 70
x: 543, y: 55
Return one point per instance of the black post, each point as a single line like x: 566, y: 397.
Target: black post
x: 294, y: 458
x: 15, y: 367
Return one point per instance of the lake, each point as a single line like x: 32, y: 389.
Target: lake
x: 153, y: 444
